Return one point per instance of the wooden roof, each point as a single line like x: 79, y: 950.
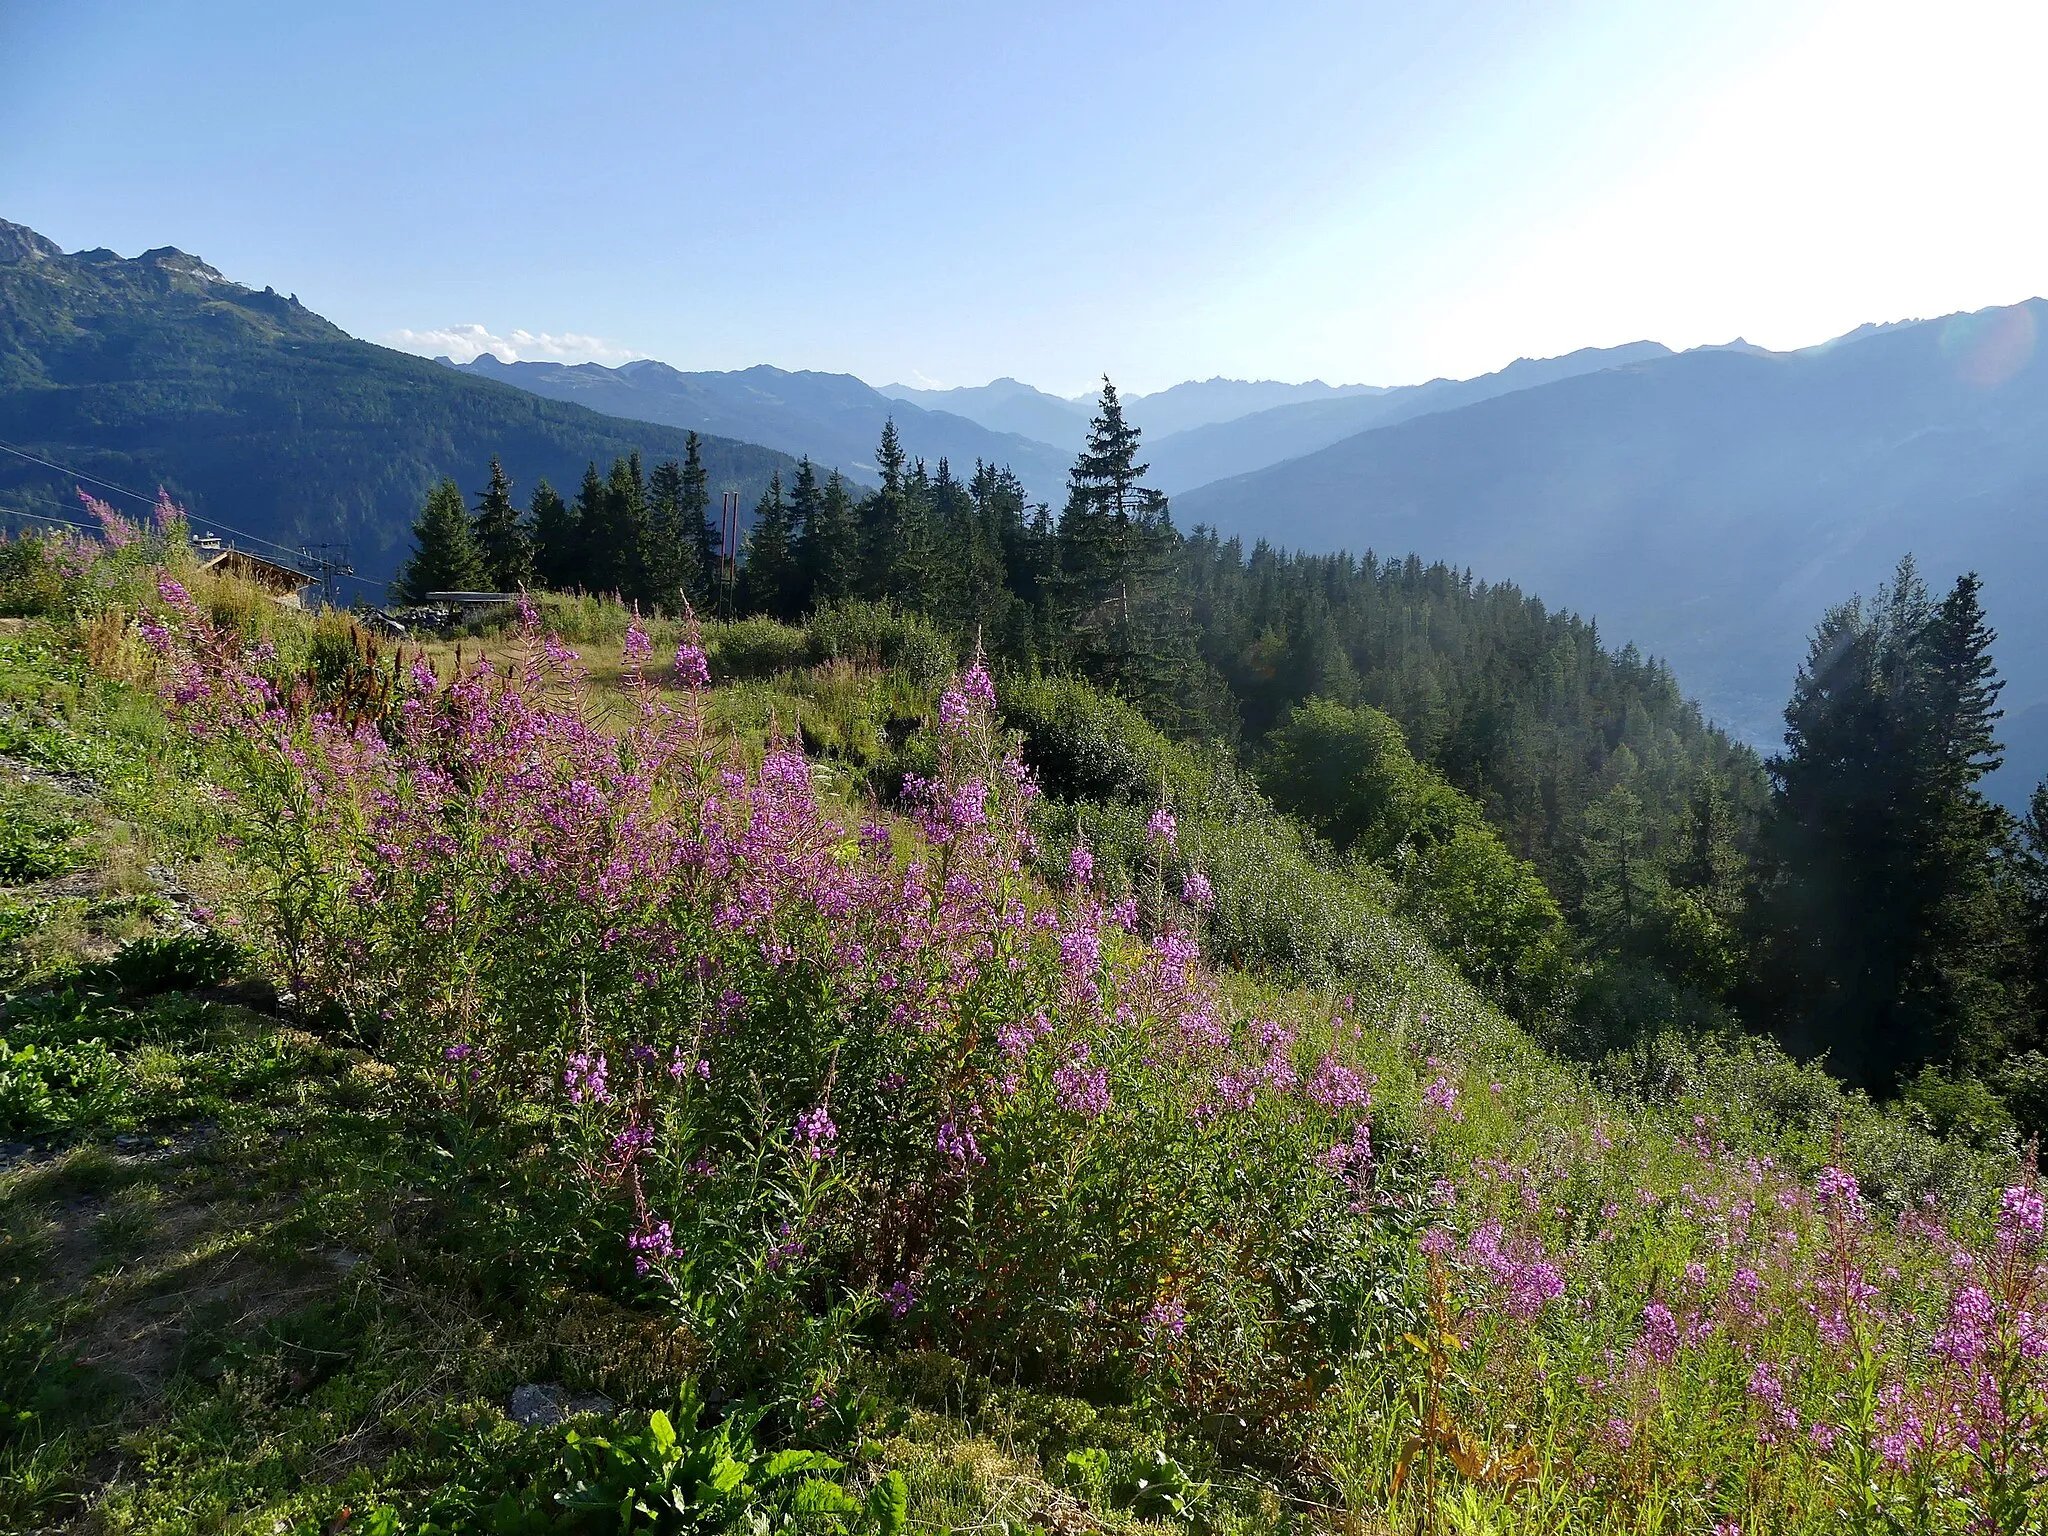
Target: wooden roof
x: 278, y: 580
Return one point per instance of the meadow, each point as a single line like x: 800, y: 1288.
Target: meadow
x: 724, y: 1025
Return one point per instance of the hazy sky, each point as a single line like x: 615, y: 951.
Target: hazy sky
x: 949, y: 192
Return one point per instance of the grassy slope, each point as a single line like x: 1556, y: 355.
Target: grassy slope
x: 214, y: 1303
x: 212, y: 1288
x: 223, y: 1300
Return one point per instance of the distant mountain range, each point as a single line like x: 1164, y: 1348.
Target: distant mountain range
x: 1008, y: 406
x: 1709, y: 505
x: 262, y: 416
x: 1706, y: 506
x: 1269, y: 435
x: 833, y: 417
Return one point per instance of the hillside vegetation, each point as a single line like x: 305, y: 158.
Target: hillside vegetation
x: 1555, y: 812
x: 1708, y: 505
x: 259, y: 414
x: 863, y: 1093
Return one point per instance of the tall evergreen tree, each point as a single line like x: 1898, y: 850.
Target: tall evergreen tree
x: 806, y: 504
x: 770, y: 576
x: 557, y: 550
x: 923, y: 568
x: 674, y: 573
x: 626, y: 500
x: 597, y: 566
x: 881, y: 517
x: 1622, y: 881
x: 1129, y: 623
x: 1883, y: 922
x: 832, y: 544
x: 444, y: 557
x: 501, y: 537
x: 1709, y: 859
x: 705, y: 536
x: 2031, y: 867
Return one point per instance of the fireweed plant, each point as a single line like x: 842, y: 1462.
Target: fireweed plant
x: 822, y: 1083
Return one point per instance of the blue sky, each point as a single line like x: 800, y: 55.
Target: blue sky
x: 949, y: 192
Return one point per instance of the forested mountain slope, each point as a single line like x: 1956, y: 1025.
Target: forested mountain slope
x: 257, y: 412
x: 1708, y: 505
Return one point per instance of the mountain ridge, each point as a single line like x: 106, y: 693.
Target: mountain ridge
x: 1711, y: 504
x: 1218, y: 450
x: 835, y: 418
x: 261, y: 415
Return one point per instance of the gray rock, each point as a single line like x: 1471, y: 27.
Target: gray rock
x: 539, y: 1403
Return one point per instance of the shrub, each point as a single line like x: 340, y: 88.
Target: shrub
x: 157, y: 963
x: 881, y: 635
x: 1961, y: 1107
x: 1348, y: 773
x: 756, y: 647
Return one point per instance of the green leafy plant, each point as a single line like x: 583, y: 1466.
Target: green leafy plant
x: 678, y: 1477
x: 34, y: 846
x: 165, y: 963
x: 1158, y: 1486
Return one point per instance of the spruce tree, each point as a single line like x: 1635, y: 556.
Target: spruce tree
x: 501, y: 538
x: 920, y: 572
x: 770, y: 577
x: 806, y: 506
x: 557, y: 551
x: 832, y: 547
x: 1963, y: 686
x: 881, y: 518
x: 1128, y: 622
x: 444, y: 557
x: 597, y: 567
x: 705, y: 537
x: 1105, y: 477
x: 2031, y: 867
x: 626, y: 497
x: 673, y: 572
x: 1889, y: 942
x: 1709, y: 860
x: 1622, y: 881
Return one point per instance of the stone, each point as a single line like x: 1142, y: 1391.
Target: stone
x: 538, y: 1404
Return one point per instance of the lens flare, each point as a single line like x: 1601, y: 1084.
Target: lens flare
x: 1989, y: 347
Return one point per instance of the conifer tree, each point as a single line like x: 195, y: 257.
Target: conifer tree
x: 1125, y: 612
x: 596, y: 541
x: 444, y: 557
x: 556, y: 548
x: 770, y: 577
x: 832, y: 546
x: 626, y: 500
x: 2031, y: 864
x: 1889, y: 943
x: 1105, y: 478
x: 881, y: 519
x: 673, y: 573
x: 705, y: 536
x: 917, y: 577
x: 1622, y: 881
x: 502, y: 541
x: 806, y: 505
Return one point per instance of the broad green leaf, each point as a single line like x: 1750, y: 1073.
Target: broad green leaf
x: 888, y: 1506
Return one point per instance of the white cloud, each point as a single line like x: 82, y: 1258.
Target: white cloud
x: 464, y: 343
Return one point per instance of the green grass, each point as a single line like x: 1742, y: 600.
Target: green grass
x: 226, y: 1298
x: 246, y: 1283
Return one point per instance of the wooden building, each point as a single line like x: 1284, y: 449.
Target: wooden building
x: 283, y: 583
